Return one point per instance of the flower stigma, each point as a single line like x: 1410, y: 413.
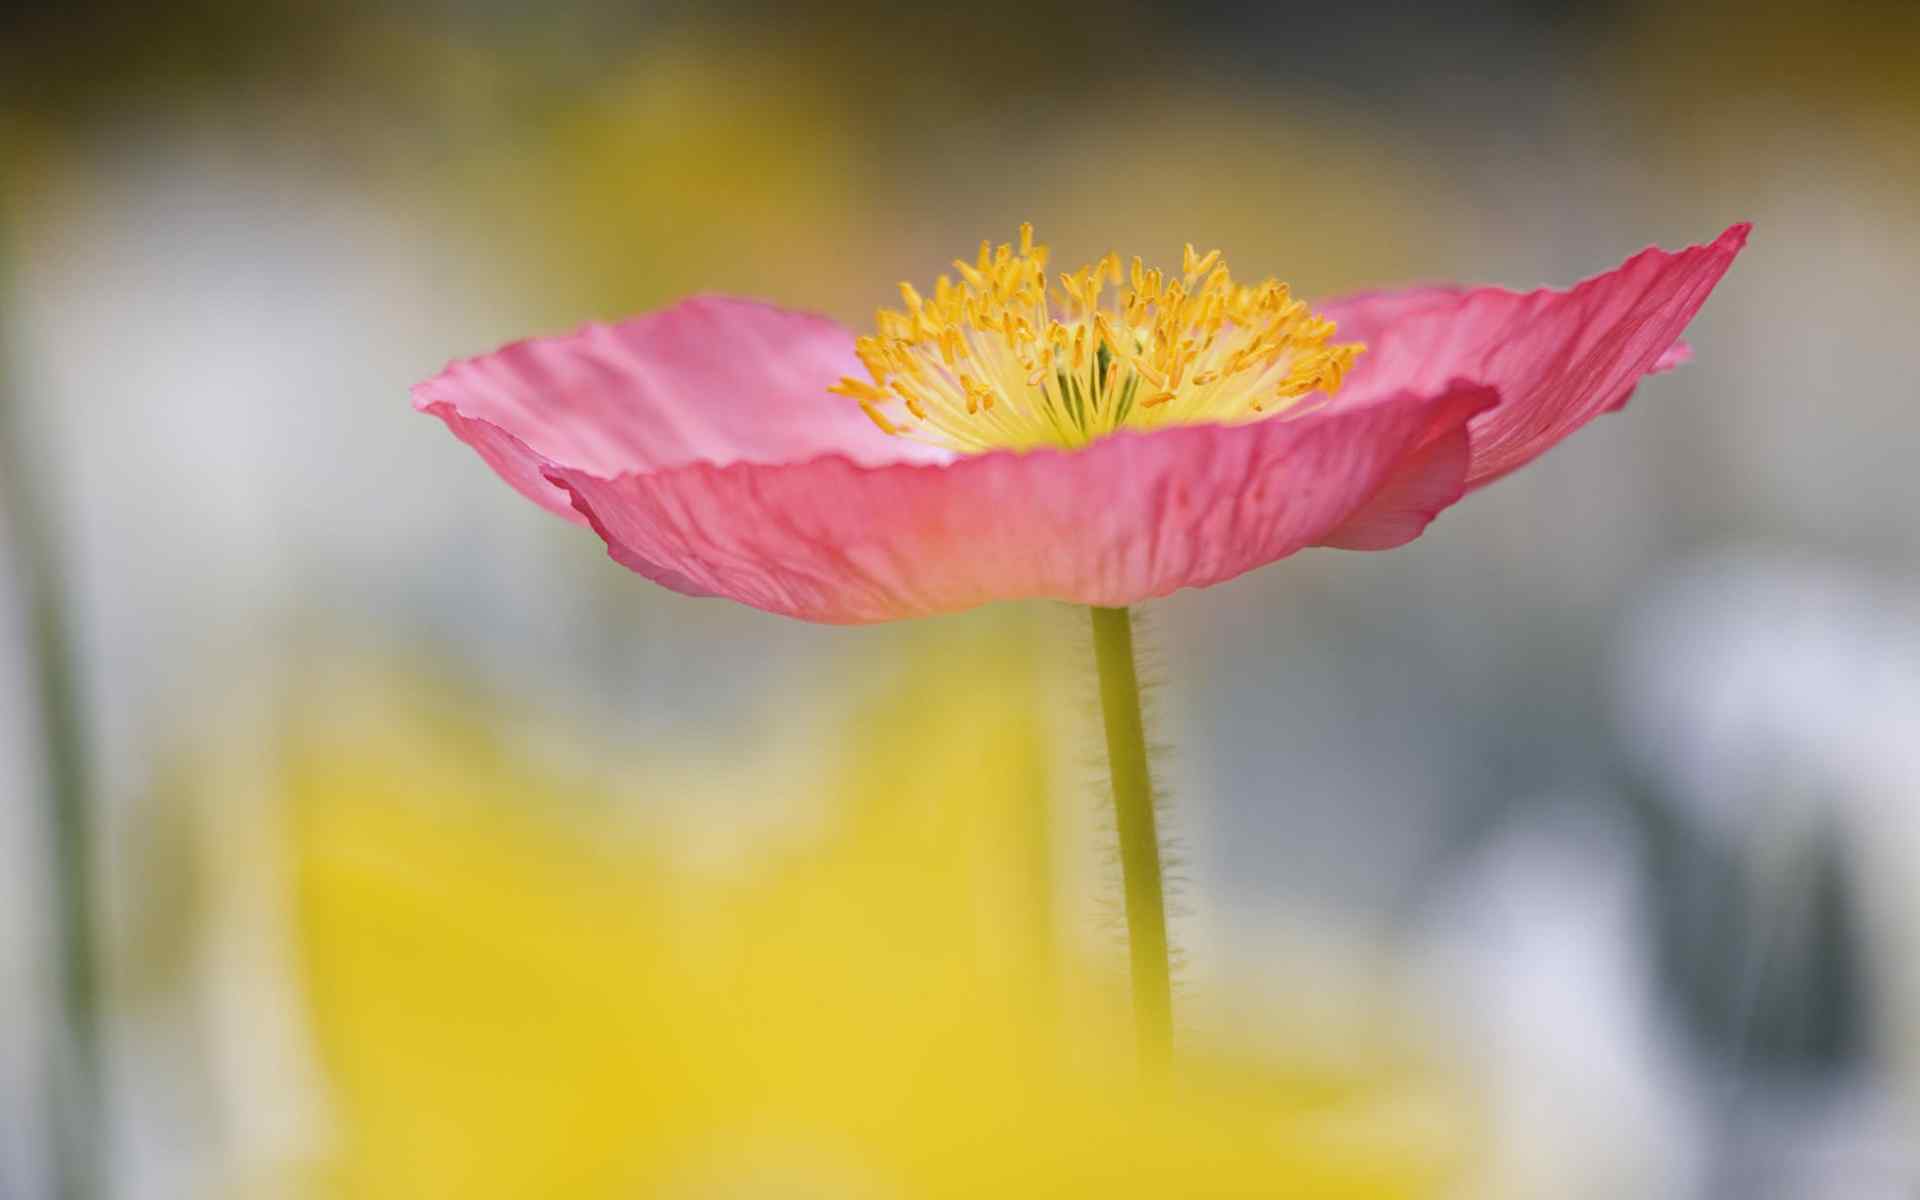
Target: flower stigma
x: 1004, y: 359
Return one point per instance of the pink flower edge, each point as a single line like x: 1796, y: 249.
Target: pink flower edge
x: 700, y: 444
x: 711, y: 379
x: 1129, y: 518
x: 1559, y: 357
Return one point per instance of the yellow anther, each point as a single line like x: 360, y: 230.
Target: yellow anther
x: 1071, y: 286
x: 879, y: 418
x: 909, y: 398
x: 1180, y: 359
x: 1163, y: 349
x: 1147, y: 372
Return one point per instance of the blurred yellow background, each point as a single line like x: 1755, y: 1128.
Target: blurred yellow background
x: 1563, y: 853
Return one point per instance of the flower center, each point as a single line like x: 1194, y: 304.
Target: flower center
x: 1003, y: 360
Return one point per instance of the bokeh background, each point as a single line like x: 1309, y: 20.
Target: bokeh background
x: 366, y: 832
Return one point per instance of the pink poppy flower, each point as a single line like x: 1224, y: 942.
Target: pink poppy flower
x: 1012, y: 436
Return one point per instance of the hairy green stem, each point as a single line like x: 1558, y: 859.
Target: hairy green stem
x: 1139, y: 839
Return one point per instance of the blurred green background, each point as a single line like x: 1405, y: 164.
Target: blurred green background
x: 1564, y: 853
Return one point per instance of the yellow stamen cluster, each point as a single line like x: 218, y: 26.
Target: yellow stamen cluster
x: 1004, y: 358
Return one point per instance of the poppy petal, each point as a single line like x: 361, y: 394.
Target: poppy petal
x: 1133, y: 516
x: 1558, y: 358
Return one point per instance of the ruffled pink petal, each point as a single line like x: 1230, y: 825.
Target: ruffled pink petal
x: 1424, y: 483
x: 712, y: 380
x: 1130, y: 517
x: 1558, y: 358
